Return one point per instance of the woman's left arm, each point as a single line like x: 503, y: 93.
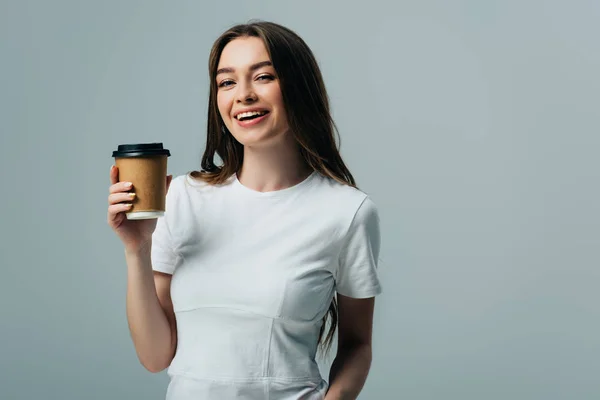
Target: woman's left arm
x: 353, y: 359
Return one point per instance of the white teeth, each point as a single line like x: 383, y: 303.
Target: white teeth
x: 249, y: 114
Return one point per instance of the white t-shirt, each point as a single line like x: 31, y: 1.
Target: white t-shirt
x: 254, y: 274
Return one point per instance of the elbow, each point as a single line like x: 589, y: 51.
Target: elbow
x: 154, y: 368
x: 155, y: 365
x: 156, y: 361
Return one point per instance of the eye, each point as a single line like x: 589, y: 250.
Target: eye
x: 265, y: 77
x: 226, y: 83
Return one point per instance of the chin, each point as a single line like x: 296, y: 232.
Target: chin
x: 257, y: 138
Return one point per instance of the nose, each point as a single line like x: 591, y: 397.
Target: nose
x: 245, y: 93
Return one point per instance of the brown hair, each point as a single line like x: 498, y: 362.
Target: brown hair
x: 307, y: 109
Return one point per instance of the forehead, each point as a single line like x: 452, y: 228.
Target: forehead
x: 243, y: 52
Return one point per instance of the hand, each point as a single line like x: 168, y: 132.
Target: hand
x: 135, y: 234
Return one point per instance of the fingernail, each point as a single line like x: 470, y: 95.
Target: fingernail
x: 132, y: 195
x: 127, y: 184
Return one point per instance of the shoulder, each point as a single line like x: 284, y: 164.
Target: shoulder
x: 187, y: 183
x: 187, y: 194
x: 181, y: 190
x: 346, y: 197
x: 367, y: 212
x: 350, y: 207
x: 177, y: 183
x: 187, y: 200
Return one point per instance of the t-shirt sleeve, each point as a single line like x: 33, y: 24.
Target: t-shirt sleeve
x: 163, y: 253
x: 357, y: 270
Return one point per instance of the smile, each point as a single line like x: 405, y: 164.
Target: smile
x: 244, y: 116
x: 250, y: 118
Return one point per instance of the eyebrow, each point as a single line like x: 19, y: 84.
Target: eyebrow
x: 253, y: 67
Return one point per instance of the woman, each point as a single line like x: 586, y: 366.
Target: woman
x: 232, y: 287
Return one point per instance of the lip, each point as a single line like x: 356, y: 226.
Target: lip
x: 252, y: 122
x: 248, y: 110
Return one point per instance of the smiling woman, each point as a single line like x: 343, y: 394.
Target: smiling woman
x: 232, y: 288
x: 277, y: 55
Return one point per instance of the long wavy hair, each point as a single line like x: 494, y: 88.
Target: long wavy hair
x: 308, y: 113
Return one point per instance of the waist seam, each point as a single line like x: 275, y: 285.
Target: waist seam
x: 313, y: 379
x: 248, y: 311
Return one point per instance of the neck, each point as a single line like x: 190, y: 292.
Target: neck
x: 276, y: 167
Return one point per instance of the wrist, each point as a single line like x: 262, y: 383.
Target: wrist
x: 139, y: 250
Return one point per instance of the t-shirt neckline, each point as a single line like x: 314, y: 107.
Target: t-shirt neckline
x: 274, y: 193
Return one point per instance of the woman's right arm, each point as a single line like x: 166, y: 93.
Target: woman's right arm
x: 149, y: 307
x: 150, y: 311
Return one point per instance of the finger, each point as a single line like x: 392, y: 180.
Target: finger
x: 115, y: 209
x: 114, y: 174
x: 120, y: 187
x: 120, y: 197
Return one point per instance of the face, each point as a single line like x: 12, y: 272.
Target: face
x: 248, y: 93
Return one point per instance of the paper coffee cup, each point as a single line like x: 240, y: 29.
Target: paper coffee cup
x: 145, y: 166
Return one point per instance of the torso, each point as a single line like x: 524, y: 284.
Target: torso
x: 255, y: 277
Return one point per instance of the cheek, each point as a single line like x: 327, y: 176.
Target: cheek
x: 224, y: 105
x: 273, y: 93
x: 277, y: 100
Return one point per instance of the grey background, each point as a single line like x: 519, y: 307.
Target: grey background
x: 473, y: 124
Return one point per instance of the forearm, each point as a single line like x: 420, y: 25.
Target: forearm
x: 148, y: 324
x: 349, y: 372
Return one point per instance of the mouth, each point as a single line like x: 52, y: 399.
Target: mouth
x: 249, y: 121
x: 250, y: 115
